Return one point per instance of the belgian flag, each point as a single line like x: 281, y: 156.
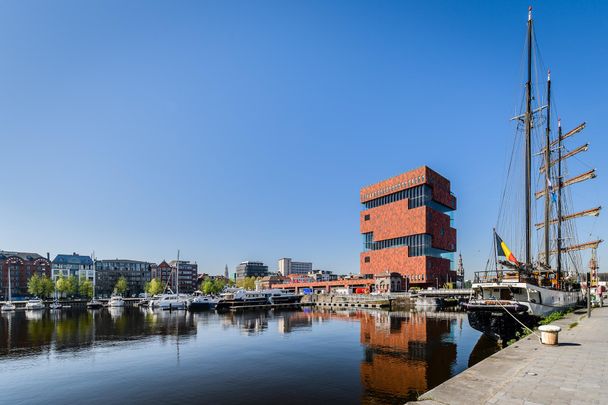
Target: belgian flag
x: 503, y: 250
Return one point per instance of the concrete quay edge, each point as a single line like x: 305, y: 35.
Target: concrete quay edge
x: 528, y: 372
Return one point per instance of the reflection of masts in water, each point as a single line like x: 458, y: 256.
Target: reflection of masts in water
x: 177, y: 341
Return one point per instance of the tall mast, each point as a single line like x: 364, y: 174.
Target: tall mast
x: 10, y: 293
x: 548, y: 170
x: 177, y: 275
x: 559, y: 202
x: 528, y: 147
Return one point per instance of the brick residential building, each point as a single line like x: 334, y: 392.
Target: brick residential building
x: 188, y: 276
x: 406, y: 223
x: 22, y: 266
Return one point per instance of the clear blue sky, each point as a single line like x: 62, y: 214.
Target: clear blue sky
x: 244, y: 130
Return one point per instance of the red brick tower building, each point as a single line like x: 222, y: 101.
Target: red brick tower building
x: 406, y: 227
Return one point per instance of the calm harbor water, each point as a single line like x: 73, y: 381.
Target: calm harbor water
x: 133, y: 355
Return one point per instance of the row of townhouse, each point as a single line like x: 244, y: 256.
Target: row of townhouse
x: 103, y: 273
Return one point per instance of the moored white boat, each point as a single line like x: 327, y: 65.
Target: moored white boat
x: 170, y: 302
x: 239, y: 297
x: 34, y: 304
x: 116, y: 301
x: 202, y: 302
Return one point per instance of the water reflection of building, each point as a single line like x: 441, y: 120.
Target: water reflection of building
x: 290, y: 321
x: 405, y: 354
x: 250, y: 323
x: 79, y: 329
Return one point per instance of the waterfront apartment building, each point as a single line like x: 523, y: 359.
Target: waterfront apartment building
x: 81, y: 267
x: 406, y: 223
x: 251, y: 269
x: 288, y: 266
x: 107, y: 272
x: 188, y: 276
x: 21, y: 266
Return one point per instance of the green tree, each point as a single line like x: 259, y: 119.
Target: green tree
x: 34, y: 286
x: 121, y: 286
x: 61, y: 285
x: 47, y: 286
x: 72, y: 285
x: 86, y: 288
x: 248, y: 283
x: 154, y: 286
x: 207, y: 287
x: 218, y: 285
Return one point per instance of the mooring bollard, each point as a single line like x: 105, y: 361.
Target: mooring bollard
x: 548, y: 334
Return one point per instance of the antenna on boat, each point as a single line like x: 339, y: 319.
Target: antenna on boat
x: 528, y: 146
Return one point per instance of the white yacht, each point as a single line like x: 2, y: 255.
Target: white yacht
x: 116, y: 301
x: 170, y: 301
x: 34, y: 304
x: 278, y: 296
x: 239, y: 297
x: 202, y: 302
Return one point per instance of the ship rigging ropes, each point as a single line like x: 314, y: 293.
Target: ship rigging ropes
x: 510, y: 224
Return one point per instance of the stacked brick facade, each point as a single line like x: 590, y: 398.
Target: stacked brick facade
x: 396, y: 217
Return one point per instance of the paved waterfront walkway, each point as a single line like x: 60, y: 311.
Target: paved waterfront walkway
x: 575, y: 372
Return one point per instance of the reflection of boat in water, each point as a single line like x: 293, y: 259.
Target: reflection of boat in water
x: 485, y: 347
x: 34, y: 304
x: 510, y: 293
x: 116, y: 312
x: 34, y: 315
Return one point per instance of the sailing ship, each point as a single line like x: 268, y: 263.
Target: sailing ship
x: 510, y: 292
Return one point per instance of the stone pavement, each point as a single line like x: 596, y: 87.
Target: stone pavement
x: 527, y: 372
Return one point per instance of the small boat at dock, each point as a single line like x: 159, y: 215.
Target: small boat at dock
x: 116, y: 301
x: 34, y: 304
x: 202, y: 302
